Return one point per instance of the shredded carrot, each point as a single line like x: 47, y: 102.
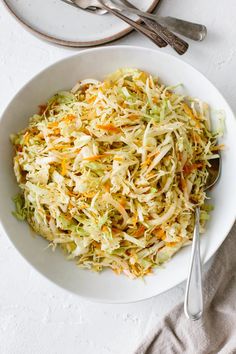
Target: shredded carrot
x: 68, y: 216
x: 95, y: 157
x: 190, y: 113
x: 115, y: 230
x: 189, y: 168
x: 134, y: 117
x: 124, y: 105
x: 26, y: 138
x: 104, y: 228
x: 91, y: 99
x: 96, y: 245
x: 33, y: 130
x: 52, y: 124
x: 57, y: 131
x: 171, y: 244
x: 196, y: 137
x: 168, y: 94
x: 179, y: 156
x: 40, y: 135
x: 123, y: 202
x: 143, y: 77
x: 59, y: 147
x: 148, y: 271
x: 107, y: 84
x: 118, y: 158
x: 86, y: 131
x: 135, y: 219
x: 84, y: 206
x: 71, y: 193
x: 146, y: 162
x: 69, y: 118
x: 218, y: 147
x: 140, y: 231
x: 149, y: 159
x: 159, y: 233
x: 89, y: 194
x: 107, y: 186
x: 135, y: 269
x: 151, y: 175
x: 155, y: 99
x: 70, y: 206
x: 109, y: 128
x: 63, y: 167
x: 117, y: 271
x: 183, y: 183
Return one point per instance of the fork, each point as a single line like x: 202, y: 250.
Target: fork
x: 178, y: 44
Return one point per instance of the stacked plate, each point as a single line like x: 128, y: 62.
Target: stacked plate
x: 60, y: 23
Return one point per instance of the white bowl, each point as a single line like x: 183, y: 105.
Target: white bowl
x: 96, y: 63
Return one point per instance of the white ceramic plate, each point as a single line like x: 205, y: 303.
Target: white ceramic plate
x: 96, y: 63
x: 63, y: 24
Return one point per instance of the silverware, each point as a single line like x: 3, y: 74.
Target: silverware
x: 193, y: 303
x: 101, y: 11
x: 179, y: 45
x: 188, y: 29
x: 83, y: 4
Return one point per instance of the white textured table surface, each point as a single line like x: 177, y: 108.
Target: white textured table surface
x: 36, y: 316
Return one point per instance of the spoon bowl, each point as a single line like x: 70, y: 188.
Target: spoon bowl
x: 214, y: 172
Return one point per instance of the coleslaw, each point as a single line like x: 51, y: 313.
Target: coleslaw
x: 112, y: 171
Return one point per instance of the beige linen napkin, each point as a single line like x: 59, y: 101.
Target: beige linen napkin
x: 216, y: 331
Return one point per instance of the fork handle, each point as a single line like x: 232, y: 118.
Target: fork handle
x: 155, y: 38
x: 193, y: 303
x: 151, y: 25
x: 178, y: 44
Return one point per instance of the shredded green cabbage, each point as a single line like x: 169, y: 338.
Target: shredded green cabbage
x: 112, y: 171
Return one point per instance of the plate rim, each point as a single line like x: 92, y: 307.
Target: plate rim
x: 75, y: 44
x: 176, y: 282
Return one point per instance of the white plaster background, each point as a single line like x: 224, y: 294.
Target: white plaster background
x: 36, y: 316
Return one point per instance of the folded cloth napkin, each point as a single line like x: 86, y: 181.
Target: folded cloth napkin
x: 215, y: 332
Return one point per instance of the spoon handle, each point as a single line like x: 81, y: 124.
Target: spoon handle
x: 193, y: 303
x: 140, y: 28
x: 194, y: 31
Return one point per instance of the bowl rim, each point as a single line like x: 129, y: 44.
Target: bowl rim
x: 109, y: 48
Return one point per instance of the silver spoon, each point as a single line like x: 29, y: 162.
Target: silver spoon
x: 178, y: 44
x: 193, y: 302
x: 194, y: 31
